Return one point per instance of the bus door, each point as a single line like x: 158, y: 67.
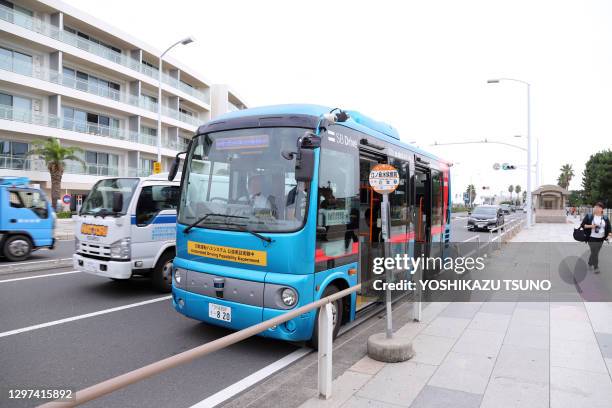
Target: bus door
x: 370, y: 224
x: 422, y: 211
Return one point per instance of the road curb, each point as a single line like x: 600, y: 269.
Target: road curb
x: 35, y: 266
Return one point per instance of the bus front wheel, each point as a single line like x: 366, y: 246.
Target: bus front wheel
x: 337, y: 310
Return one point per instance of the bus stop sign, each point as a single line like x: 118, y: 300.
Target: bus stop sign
x: 384, y: 178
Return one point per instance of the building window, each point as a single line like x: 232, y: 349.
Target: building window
x: 148, y: 64
x: 15, y: 108
x: 14, y: 61
x: 13, y: 155
x: 91, y: 39
x: 185, y: 112
x: 89, y: 122
x: 148, y: 131
x: 101, y: 164
x: 89, y: 83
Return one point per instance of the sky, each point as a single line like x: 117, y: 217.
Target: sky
x: 421, y: 66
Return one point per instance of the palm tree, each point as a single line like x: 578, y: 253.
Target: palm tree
x: 55, y: 156
x: 510, y: 190
x: 517, y: 190
x: 567, y: 173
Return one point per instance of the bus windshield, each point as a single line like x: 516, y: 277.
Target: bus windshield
x: 100, y: 199
x: 238, y: 179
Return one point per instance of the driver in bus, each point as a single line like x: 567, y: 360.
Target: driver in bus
x: 259, y: 202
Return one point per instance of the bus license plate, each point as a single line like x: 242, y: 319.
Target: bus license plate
x: 220, y: 312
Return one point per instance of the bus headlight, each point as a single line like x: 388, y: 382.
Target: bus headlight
x: 289, y: 297
x: 121, y: 249
x: 180, y: 276
x: 77, y: 244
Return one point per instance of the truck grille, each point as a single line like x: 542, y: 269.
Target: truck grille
x: 93, y: 249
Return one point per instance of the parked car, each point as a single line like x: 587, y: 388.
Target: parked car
x: 485, y: 217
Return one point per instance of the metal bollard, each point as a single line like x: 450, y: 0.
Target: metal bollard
x: 326, y: 329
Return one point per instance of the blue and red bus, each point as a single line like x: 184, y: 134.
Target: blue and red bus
x: 275, y: 202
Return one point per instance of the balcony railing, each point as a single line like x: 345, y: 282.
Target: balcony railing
x: 134, y: 172
x: 71, y: 167
x: 23, y: 68
x: 53, y: 121
x: 48, y: 30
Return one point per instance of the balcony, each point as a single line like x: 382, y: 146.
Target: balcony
x: 71, y: 167
x: 53, y: 121
x: 22, y: 68
x: 38, y: 26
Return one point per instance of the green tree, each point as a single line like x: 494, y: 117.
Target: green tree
x: 597, y: 178
x: 567, y: 173
x: 511, y: 190
x: 55, y: 156
x: 525, y: 196
x: 471, y: 192
x: 517, y: 190
x: 575, y: 198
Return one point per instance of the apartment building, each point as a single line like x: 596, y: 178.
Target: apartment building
x: 65, y: 74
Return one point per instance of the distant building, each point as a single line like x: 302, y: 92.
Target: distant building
x: 65, y: 74
x: 549, y: 202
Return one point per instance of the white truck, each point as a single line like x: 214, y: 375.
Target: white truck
x: 127, y: 227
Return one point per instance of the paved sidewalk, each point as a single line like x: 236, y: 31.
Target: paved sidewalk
x: 495, y: 354
x: 64, y: 228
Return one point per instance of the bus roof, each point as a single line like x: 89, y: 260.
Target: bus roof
x: 357, y: 121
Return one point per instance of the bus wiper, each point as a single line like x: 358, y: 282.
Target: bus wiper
x: 186, y: 230
x: 244, y: 228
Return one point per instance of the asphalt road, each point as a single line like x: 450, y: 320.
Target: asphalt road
x: 459, y: 231
x: 90, y: 349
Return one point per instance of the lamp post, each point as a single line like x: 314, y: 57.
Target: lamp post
x: 528, y: 87
x: 184, y: 41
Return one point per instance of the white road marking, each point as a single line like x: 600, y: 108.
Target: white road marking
x: 39, y: 276
x: 252, y: 379
x: 35, y: 262
x: 83, y: 316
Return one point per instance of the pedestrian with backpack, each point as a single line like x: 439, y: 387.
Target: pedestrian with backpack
x: 597, y: 229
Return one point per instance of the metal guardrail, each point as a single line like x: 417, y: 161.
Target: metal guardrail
x: 324, y: 353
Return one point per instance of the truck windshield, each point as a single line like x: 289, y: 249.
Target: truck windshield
x: 100, y: 200
x: 238, y: 179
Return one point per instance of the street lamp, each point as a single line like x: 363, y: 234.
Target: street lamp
x: 528, y: 87
x: 184, y: 41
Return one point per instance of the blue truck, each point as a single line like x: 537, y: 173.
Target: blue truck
x: 27, y: 219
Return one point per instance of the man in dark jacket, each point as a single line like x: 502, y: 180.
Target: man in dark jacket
x: 597, y: 229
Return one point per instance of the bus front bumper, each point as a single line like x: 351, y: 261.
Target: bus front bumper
x: 108, y: 269
x: 241, y: 316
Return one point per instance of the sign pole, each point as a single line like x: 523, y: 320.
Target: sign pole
x: 388, y: 273
x: 384, y: 179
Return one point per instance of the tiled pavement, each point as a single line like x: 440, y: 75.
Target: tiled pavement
x: 503, y: 354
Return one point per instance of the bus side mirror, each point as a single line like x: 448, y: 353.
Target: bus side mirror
x: 117, y: 202
x: 304, y: 165
x: 174, y: 168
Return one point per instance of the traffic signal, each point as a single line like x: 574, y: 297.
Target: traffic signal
x: 507, y: 166
x: 486, y: 188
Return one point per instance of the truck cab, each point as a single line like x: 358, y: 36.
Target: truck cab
x: 127, y: 227
x: 27, y: 219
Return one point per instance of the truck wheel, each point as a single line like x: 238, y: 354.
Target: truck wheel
x: 337, y: 317
x: 162, y: 273
x: 17, y: 248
